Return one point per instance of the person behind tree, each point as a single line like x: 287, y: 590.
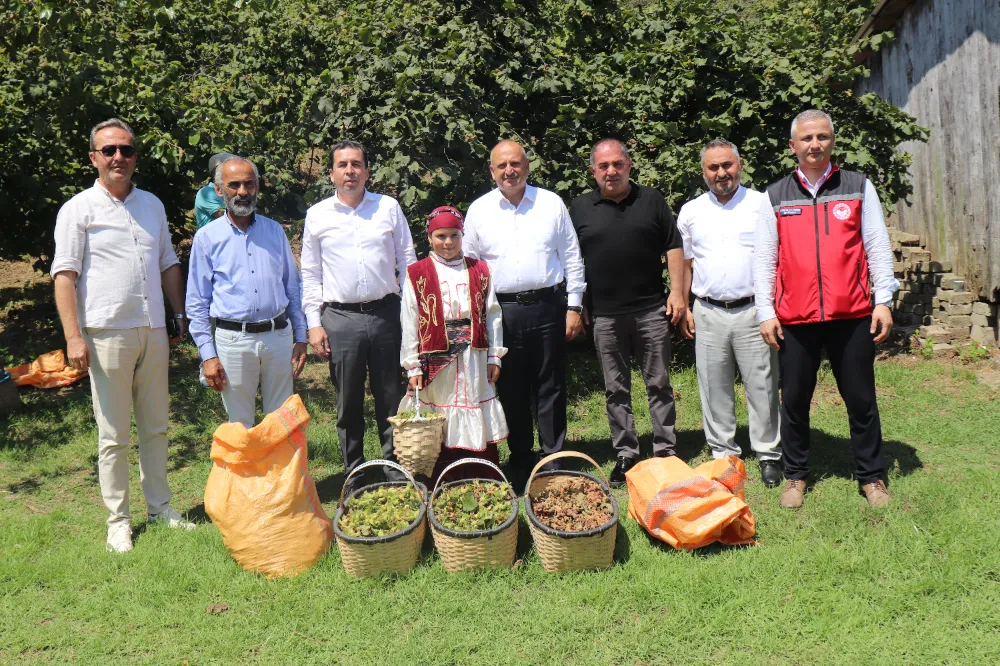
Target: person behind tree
x: 453, y: 343
x: 208, y: 205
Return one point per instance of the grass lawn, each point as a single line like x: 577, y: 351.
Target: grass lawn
x: 834, y: 583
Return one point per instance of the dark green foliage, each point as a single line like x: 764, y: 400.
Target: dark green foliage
x: 474, y: 506
x: 382, y: 511
x: 429, y: 86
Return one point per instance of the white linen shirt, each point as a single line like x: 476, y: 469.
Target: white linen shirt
x: 528, y: 246
x: 118, y: 249
x: 353, y: 255
x: 874, y: 237
x: 720, y: 238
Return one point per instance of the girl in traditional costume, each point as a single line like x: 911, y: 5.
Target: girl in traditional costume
x: 452, y: 345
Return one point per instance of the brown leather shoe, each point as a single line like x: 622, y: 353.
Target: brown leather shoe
x: 794, y: 491
x: 876, y: 493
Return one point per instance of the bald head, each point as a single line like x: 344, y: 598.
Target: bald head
x: 509, y: 168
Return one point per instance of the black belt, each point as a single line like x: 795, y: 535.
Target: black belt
x: 528, y: 297
x: 275, y: 324
x: 728, y: 305
x: 367, y: 306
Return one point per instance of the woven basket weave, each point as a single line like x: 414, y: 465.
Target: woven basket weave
x: 417, y: 442
x: 560, y: 550
x: 394, y: 553
x: 492, y: 548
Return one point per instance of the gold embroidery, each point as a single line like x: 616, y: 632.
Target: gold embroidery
x: 428, y: 311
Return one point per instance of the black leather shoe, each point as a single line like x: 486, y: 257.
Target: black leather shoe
x: 623, y: 465
x: 663, y: 454
x: 771, y: 473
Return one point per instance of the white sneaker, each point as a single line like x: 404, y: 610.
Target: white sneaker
x: 172, y: 519
x: 119, y: 538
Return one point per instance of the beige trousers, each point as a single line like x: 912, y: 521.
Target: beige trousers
x: 128, y: 369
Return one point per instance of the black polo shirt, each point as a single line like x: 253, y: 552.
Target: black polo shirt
x: 623, y: 246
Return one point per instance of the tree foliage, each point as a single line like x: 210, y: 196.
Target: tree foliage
x: 429, y: 86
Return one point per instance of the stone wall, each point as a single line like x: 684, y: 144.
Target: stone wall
x: 932, y: 300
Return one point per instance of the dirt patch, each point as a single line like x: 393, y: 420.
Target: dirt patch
x: 17, y: 275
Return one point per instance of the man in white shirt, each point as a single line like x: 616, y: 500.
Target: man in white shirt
x: 525, y: 235
x: 356, y: 246
x: 113, y: 255
x: 719, y: 229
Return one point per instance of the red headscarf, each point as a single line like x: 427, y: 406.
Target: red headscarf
x: 445, y: 217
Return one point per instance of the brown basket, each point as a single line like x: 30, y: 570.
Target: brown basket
x: 417, y: 442
x: 394, y: 553
x: 10, y: 396
x: 492, y: 548
x: 566, y: 551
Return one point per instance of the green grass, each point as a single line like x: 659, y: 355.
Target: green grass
x: 834, y: 583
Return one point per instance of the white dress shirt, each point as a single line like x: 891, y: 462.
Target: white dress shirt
x: 720, y: 238
x: 528, y: 246
x: 353, y: 255
x: 874, y: 236
x: 118, y: 249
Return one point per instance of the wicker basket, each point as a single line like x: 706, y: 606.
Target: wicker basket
x: 417, y: 441
x: 492, y: 548
x: 565, y: 551
x: 10, y: 397
x: 395, y: 553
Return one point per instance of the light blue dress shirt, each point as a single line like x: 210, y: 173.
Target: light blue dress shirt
x: 243, y: 277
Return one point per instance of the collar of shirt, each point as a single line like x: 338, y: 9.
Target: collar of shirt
x: 131, y: 192
x: 813, y: 189
x: 629, y: 199
x: 733, y: 202
x: 253, y: 222
x: 530, y: 192
x: 340, y: 206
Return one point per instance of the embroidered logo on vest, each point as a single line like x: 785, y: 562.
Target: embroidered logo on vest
x: 841, y: 211
x: 789, y: 211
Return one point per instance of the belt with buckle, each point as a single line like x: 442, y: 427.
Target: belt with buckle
x: 527, y: 297
x: 728, y: 305
x: 263, y: 326
x: 367, y: 306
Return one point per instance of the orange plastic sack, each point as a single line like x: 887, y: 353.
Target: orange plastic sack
x: 47, y: 371
x: 261, y: 497
x: 690, y: 508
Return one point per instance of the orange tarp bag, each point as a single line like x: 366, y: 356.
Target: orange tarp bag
x: 261, y: 497
x: 47, y: 371
x: 690, y: 508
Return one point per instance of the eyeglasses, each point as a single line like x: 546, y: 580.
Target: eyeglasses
x: 126, y: 150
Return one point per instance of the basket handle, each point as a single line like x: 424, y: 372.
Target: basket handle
x: 463, y: 461
x: 372, y: 463
x: 564, y: 454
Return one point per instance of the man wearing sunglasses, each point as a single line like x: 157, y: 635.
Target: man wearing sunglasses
x: 113, y: 256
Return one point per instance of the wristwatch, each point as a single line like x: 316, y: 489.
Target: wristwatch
x: 575, y: 308
x: 180, y: 316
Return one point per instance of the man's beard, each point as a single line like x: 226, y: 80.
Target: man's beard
x: 242, y: 206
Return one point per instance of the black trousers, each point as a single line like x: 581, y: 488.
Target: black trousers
x: 364, y: 344
x: 851, y: 350
x: 534, y: 372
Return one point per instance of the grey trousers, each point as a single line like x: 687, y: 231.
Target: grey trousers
x: 646, y: 336
x: 725, y: 339
x: 364, y: 344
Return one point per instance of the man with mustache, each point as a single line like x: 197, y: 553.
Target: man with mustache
x: 625, y: 229
x: 243, y: 279
x: 356, y: 246
x: 719, y: 230
x: 820, y: 236
x: 526, y: 237
x: 113, y: 255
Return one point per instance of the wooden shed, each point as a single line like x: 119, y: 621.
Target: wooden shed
x: 943, y: 67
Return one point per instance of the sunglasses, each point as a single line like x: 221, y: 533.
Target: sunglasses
x: 127, y: 151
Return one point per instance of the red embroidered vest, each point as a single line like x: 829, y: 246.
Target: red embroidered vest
x: 430, y: 311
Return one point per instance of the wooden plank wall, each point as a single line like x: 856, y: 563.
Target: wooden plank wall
x: 944, y: 68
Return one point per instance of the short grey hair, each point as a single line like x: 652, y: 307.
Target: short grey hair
x: 604, y: 142
x: 719, y: 143
x: 810, y: 115
x: 217, y: 176
x: 110, y: 122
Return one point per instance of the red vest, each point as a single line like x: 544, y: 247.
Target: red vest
x: 822, y: 266
x: 430, y: 311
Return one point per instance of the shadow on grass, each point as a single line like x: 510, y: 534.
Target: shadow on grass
x: 833, y: 456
